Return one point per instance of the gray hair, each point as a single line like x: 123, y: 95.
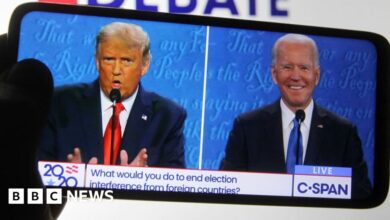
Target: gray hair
x: 296, y: 38
x: 132, y: 34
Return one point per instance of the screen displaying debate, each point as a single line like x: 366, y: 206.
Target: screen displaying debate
x: 215, y: 74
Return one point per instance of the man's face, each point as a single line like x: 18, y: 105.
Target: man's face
x: 295, y: 73
x: 119, y: 66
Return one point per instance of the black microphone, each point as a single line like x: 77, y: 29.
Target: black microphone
x: 115, y: 96
x: 300, y: 116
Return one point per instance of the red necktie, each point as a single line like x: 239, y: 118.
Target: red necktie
x: 117, y: 135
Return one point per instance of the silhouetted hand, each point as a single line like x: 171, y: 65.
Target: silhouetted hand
x: 26, y: 88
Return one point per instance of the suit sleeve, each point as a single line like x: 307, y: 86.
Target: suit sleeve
x: 47, y: 150
x: 173, y: 151
x: 361, y: 186
x: 236, y: 157
x: 55, y: 138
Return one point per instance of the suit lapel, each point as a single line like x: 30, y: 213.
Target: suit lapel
x: 139, y: 119
x: 315, y: 141
x: 92, y: 122
x: 274, y: 134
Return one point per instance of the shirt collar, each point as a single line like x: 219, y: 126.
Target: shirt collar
x: 288, y: 115
x: 127, y: 103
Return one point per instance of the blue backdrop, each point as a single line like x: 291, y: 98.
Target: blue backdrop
x: 214, y: 73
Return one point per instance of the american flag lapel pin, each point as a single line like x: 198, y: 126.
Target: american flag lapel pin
x: 144, y: 117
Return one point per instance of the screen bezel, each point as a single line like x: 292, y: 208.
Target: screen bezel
x: 381, y: 163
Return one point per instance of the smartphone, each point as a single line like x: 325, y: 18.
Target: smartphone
x: 221, y: 72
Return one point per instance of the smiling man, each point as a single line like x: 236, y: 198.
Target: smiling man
x: 260, y: 139
x: 150, y: 127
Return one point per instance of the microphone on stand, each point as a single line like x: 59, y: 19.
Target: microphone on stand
x: 115, y: 96
x: 300, y: 116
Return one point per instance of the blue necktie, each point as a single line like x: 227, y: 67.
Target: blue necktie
x: 291, y: 160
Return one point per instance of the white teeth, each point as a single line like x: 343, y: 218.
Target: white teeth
x: 296, y: 87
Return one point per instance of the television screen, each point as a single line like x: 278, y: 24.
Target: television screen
x: 216, y: 96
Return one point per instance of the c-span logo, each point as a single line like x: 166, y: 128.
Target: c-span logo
x: 322, y: 182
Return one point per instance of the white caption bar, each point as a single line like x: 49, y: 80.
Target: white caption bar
x: 309, y: 181
x: 185, y: 180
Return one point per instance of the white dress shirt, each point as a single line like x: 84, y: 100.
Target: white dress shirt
x: 106, y: 107
x: 287, y: 125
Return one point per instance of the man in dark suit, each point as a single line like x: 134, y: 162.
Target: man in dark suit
x: 151, y: 125
x: 259, y: 139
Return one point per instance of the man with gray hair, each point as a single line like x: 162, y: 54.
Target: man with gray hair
x: 269, y: 139
x: 148, y: 128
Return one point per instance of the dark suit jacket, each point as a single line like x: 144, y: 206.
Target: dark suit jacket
x: 256, y: 144
x: 75, y: 121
